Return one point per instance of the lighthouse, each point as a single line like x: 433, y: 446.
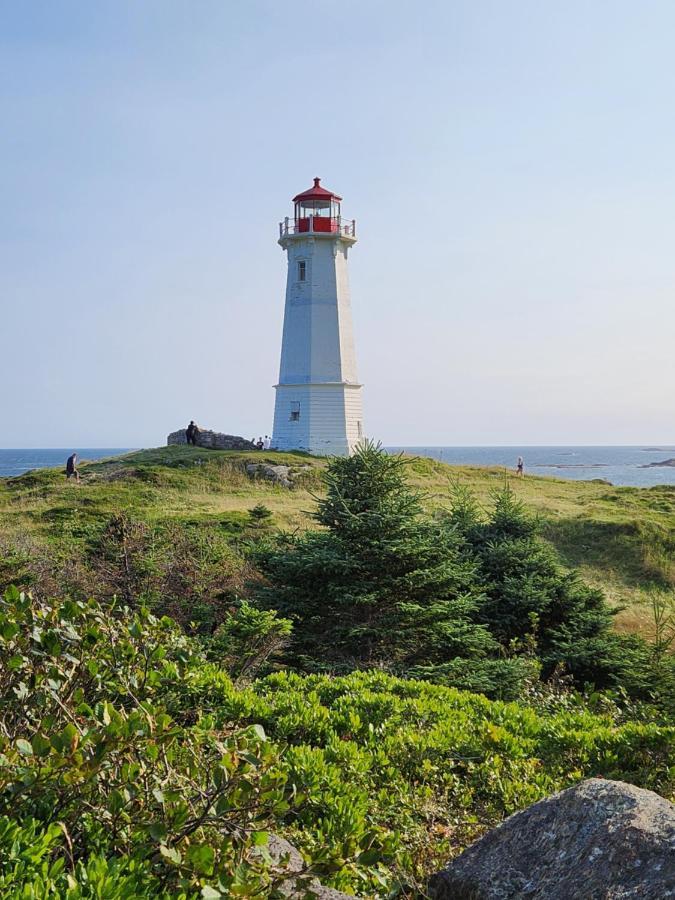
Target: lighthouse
x: 318, y: 397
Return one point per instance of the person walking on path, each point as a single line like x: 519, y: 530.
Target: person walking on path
x: 520, y: 467
x: 71, y: 468
x: 190, y: 433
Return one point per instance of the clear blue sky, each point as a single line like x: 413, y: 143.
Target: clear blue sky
x: 511, y: 167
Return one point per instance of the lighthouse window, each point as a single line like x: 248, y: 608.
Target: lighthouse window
x: 295, y: 411
x: 302, y: 270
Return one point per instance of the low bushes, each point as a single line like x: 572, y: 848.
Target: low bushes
x: 132, y: 766
x: 103, y: 793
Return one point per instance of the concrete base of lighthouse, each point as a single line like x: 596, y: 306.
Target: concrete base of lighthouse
x: 324, y: 419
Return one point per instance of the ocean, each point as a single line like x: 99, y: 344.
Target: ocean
x: 15, y: 462
x: 618, y: 465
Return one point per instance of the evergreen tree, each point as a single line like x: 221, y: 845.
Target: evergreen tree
x: 380, y: 585
x: 531, y: 599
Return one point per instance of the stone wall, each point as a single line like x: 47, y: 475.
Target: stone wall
x: 212, y: 440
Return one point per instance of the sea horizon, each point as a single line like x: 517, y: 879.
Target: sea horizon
x: 621, y: 465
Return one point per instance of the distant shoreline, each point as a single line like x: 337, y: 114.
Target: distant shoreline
x: 622, y: 466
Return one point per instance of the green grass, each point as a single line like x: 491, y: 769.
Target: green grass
x: 621, y: 539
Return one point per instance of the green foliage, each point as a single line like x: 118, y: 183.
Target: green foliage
x: 661, y: 670
x: 622, y: 539
x: 247, y: 640
x: 134, y: 799
x: 382, y: 584
x: 14, y: 568
x: 131, y: 766
x: 123, y: 554
x: 422, y: 767
x: 532, y: 604
x: 260, y: 515
x: 190, y: 571
x: 34, y: 860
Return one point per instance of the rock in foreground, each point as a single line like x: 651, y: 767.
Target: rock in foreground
x: 599, y: 840
x: 287, y: 861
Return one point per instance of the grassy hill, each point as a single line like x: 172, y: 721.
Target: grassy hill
x: 620, y: 538
x: 136, y: 731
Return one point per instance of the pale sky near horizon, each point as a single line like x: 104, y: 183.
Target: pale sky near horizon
x: 511, y: 167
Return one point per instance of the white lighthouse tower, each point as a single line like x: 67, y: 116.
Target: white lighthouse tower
x: 318, y: 401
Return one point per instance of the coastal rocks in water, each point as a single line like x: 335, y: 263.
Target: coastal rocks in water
x: 599, y: 840
x: 211, y: 440
x: 656, y: 465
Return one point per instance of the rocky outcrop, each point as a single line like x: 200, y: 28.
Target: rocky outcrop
x: 281, y: 475
x: 657, y: 465
x: 599, y: 840
x: 287, y: 861
x: 211, y: 440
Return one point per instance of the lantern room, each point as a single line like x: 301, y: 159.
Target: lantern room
x: 317, y: 209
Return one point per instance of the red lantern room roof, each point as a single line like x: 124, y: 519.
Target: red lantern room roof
x: 316, y: 193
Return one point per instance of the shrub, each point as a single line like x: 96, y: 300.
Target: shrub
x: 425, y: 768
x: 128, y: 795
x: 531, y: 603
x: 247, y: 639
x: 130, y: 766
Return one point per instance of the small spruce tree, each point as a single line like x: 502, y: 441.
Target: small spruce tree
x: 260, y: 515
x: 530, y: 600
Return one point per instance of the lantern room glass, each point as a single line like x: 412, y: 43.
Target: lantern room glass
x: 321, y: 215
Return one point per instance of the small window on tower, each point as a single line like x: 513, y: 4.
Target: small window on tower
x: 295, y: 411
x: 302, y: 270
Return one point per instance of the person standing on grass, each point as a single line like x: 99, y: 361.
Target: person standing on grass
x: 190, y: 432
x: 520, y: 467
x: 71, y: 468
x: 267, y: 443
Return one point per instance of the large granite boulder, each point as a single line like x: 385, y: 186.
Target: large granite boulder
x: 599, y: 840
x: 211, y: 440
